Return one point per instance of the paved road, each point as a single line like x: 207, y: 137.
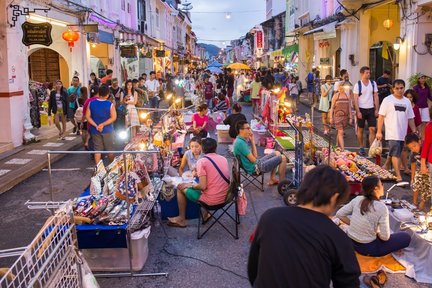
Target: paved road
x: 215, y: 261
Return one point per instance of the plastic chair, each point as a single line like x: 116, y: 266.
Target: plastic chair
x: 216, y: 212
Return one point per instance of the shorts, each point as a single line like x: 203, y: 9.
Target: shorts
x: 193, y: 194
x: 310, y: 88
x: 424, y: 114
x: 422, y: 185
x: 84, y: 126
x: 395, y: 148
x: 268, y: 162
x: 71, y: 113
x: 103, y: 142
x: 368, y: 115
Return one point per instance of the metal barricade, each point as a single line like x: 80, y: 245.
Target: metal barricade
x: 51, y: 259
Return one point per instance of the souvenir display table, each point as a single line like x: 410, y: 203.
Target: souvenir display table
x: 417, y: 256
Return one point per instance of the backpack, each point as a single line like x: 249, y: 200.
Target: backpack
x: 79, y: 114
x: 360, y: 87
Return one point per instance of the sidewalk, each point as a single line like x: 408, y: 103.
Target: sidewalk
x: 22, y: 162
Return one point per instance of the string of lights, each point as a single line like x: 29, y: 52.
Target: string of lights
x: 224, y: 12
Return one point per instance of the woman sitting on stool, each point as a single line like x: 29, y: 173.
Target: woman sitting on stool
x: 369, y: 227
x: 191, y: 156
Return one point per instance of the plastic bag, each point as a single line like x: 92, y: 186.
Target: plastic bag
x: 375, y: 148
x: 89, y: 280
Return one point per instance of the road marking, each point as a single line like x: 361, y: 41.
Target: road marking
x: 70, y: 138
x: 4, y: 171
x: 67, y: 169
x: 37, y: 152
x: 18, y: 161
x: 51, y: 144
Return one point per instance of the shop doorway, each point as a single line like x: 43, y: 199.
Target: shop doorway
x: 47, y: 65
x: 381, y: 57
x: 99, y: 59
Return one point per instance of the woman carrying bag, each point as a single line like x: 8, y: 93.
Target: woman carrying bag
x: 58, y: 105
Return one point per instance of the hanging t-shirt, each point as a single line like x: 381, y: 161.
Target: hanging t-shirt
x: 366, y: 99
x: 396, y: 113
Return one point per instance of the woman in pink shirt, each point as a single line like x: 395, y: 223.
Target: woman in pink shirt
x: 212, y: 187
x: 199, y: 121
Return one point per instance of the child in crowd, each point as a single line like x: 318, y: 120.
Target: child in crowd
x: 420, y: 182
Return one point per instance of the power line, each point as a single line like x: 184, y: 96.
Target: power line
x: 224, y: 12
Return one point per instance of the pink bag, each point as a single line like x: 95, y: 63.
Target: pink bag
x: 242, y: 202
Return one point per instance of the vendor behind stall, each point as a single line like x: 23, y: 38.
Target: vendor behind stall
x: 212, y: 188
x: 232, y: 120
x: 191, y: 156
x: 369, y: 223
x: 200, y: 121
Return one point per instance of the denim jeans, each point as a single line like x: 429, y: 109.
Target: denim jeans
x: 378, y: 247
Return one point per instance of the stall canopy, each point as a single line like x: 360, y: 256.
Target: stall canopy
x: 215, y: 64
x: 214, y: 69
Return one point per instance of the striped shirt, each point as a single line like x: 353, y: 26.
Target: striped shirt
x: 365, y: 228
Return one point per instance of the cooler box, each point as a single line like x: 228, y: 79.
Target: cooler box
x: 170, y: 208
x: 223, y: 134
x: 117, y: 259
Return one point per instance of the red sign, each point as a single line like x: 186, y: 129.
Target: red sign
x: 259, y: 37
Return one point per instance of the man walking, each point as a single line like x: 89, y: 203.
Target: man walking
x: 74, y: 92
x: 366, y: 104
x: 310, y: 80
x: 396, y: 114
x: 101, y: 114
x: 152, y: 85
x: 208, y: 92
x: 230, y: 84
x: 384, y: 85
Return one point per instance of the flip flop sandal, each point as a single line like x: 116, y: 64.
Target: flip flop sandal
x: 382, y: 277
x: 273, y: 183
x: 372, y: 281
x: 177, y: 225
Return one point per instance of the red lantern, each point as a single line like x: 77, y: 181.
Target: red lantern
x: 70, y: 36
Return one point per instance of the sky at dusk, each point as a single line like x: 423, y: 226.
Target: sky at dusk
x: 214, y: 26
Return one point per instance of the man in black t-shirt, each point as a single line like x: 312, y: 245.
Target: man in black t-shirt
x: 384, y: 84
x: 301, y: 246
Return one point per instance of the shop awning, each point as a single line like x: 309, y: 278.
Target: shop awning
x: 288, y: 50
x: 325, y: 28
x: 276, y: 53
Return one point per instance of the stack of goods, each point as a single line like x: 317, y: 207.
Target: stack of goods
x: 107, y: 202
x: 356, y: 167
x: 174, y: 129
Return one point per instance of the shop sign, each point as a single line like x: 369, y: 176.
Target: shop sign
x: 324, y: 35
x: 259, y: 38
x: 36, y: 33
x: 325, y: 61
x: 128, y: 51
x: 160, y: 53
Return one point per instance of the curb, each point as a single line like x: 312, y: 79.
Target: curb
x: 32, y: 168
